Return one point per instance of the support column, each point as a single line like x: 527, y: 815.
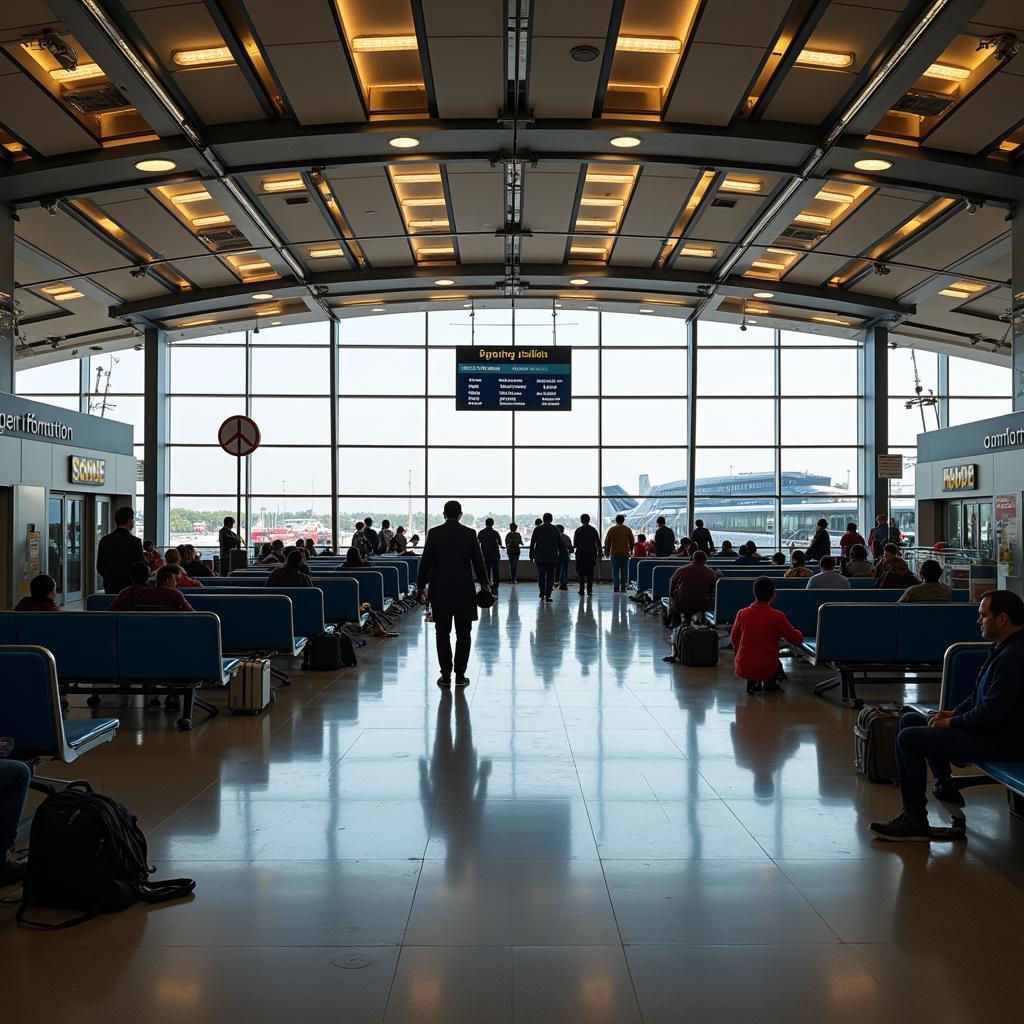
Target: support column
x: 691, y: 425
x: 874, y: 420
x: 84, y: 383
x: 6, y: 300
x: 335, y: 388
x: 943, y: 391
x: 1017, y: 313
x: 157, y: 359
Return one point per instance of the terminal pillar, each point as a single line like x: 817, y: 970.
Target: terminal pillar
x: 7, y: 332
x: 1017, y: 308
x: 156, y: 368
x: 874, y: 426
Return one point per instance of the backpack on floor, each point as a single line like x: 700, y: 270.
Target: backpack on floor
x: 328, y: 652
x: 695, y: 646
x: 874, y: 741
x: 87, y: 853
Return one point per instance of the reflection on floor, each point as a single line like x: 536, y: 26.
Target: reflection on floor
x: 587, y: 834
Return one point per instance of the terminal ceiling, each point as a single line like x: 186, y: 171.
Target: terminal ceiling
x: 277, y: 132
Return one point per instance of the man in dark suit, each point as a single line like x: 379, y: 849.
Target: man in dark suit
x: 545, y: 550
x: 451, y: 557
x: 118, y: 552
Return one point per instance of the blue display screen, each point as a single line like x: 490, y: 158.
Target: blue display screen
x: 521, y: 377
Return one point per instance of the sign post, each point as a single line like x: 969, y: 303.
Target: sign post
x: 890, y: 467
x: 238, y: 436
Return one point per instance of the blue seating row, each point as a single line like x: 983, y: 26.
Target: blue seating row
x: 339, y: 595
x: 642, y: 569
x: 111, y: 652
x: 378, y: 587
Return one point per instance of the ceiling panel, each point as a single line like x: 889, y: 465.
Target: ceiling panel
x: 635, y: 252
x: 871, y: 221
x: 302, y: 222
x: 713, y: 83
x: 304, y: 22
x: 891, y: 285
x: 559, y: 85
x: 741, y: 22
x: 477, y: 196
x: 153, y: 224
x: 986, y: 115
x: 481, y: 249
x: 547, y: 199
x: 722, y: 223
x: 458, y: 18
x: 208, y: 272
x: 388, y: 252
x: 544, y: 249
x: 33, y: 115
x: 67, y: 240
x: 467, y: 75
x: 131, y: 289
x: 655, y: 204
x: 814, y: 269
x: 955, y: 239
x: 304, y: 68
x: 369, y: 205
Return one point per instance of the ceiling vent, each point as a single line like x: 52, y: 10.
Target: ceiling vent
x: 728, y: 204
x: 924, y: 104
x: 96, y: 99
x: 226, y: 238
x: 802, y: 234
x: 296, y: 200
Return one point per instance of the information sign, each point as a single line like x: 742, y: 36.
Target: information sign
x: 513, y: 377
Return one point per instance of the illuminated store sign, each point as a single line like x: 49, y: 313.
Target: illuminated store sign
x: 92, y: 472
x: 960, y: 478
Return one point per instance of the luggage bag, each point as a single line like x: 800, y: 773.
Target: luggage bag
x: 874, y: 741
x: 695, y: 646
x: 249, y: 690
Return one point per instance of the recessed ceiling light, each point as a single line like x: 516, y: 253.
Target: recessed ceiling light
x: 744, y: 185
x: 275, y: 323
x: 444, y: 282
x: 828, y: 196
x: 430, y: 222
x: 403, y: 142
x: 764, y: 295
x: 584, y: 54
x: 377, y: 309
x: 767, y: 265
x: 644, y: 309
x: 184, y: 198
x: 824, y: 60
x: 872, y: 165
x: 82, y: 71
x: 949, y: 72
x: 435, y: 250
x: 578, y: 281
x: 282, y: 184
x: 333, y: 252
x: 212, y: 221
x: 625, y: 142
x: 591, y: 307
x: 700, y: 252
x: 601, y: 201
x: 467, y: 305
x: 262, y: 296
x: 595, y: 225
x: 424, y: 201
x: 609, y: 179
x: 383, y: 44
x: 419, y: 178
x: 955, y: 293
x: 209, y: 57
x: 648, y: 44
x: 813, y: 219
x: 252, y: 268
x: 56, y: 289
x: 68, y: 296
x: 589, y: 250
x: 830, y: 320
x: 196, y: 323
x: 155, y: 166
x: 751, y: 321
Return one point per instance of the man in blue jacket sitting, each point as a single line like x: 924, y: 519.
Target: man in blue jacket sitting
x: 986, y: 726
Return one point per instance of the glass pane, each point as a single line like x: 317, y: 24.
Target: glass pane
x: 735, y: 471
x: 282, y: 371
x: 454, y: 472
x: 125, y: 409
x: 800, y: 517
x: 810, y: 371
x: 972, y: 377
x: 58, y: 401
x: 724, y: 372
x: 577, y: 327
x: 642, y: 329
x: 392, y: 329
x: 208, y: 370
x: 901, y: 370
x: 381, y: 421
x: 577, y: 426
x: 399, y: 509
x: 293, y: 420
x: 813, y: 336
x: 365, y: 371
x: 447, y: 426
x: 644, y: 371
x: 474, y: 512
x: 375, y: 470
x: 454, y: 327
x: 641, y: 421
x: 556, y: 471
x: 584, y: 372
x: 197, y: 420
x: 289, y: 517
x: 905, y: 486
x: 201, y: 471
x: 195, y: 519
x: 710, y: 332
x: 827, y: 420
x: 566, y: 511
x: 967, y: 410
x: 126, y: 369
x: 814, y: 470
x: 739, y: 520
x: 636, y: 471
x: 48, y: 379
x: 905, y: 424
x: 441, y: 371
x: 291, y: 471
x: 318, y: 333
x: 736, y: 421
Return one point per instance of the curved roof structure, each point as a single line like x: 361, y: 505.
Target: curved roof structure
x: 205, y: 165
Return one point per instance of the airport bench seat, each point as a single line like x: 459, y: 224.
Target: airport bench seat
x: 371, y: 583
x: 129, y: 652
x: 869, y: 638
x: 735, y: 592
x: 340, y: 595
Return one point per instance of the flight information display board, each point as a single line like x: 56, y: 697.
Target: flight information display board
x: 520, y: 377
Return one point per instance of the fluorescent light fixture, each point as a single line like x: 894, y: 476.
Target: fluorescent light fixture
x: 262, y: 296
x: 190, y: 197
x: 56, y: 289
x: 82, y: 71
x: 334, y: 252
x: 828, y: 196
x: 767, y: 265
x: 949, y: 72
x: 606, y: 178
x: 435, y: 250
x: 432, y: 222
x: 275, y: 323
x: 823, y: 60
x: 872, y: 165
x: 955, y: 293
x: 590, y: 250
x: 68, y: 296
x: 282, y: 184
x: 597, y: 225
x: 444, y: 282
x: 427, y: 201
x: 1008, y: 146
x: 830, y: 320
x: 813, y: 219
x: 251, y: 268
x: 403, y: 142
x: 214, y: 220
x: 383, y: 44
x: 377, y: 309
x: 422, y: 178
x: 647, y: 44
x: 779, y: 252
x: 701, y: 252
x: 751, y: 321
x: 644, y: 309
x: 579, y: 281
x: 764, y: 295
x: 625, y: 142
x: 969, y: 286
x: 206, y: 58
x: 195, y: 323
x: 601, y: 201
x: 744, y: 185
x: 155, y: 166
x: 762, y: 310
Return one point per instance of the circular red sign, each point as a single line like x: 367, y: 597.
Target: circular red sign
x: 239, y: 436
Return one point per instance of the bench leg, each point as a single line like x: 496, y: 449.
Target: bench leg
x: 849, y: 691
x: 828, y: 684
x: 282, y: 676
x: 192, y: 700
x: 1016, y: 803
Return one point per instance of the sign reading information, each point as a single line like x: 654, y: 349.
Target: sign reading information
x: 513, y: 377
x: 92, y: 472
x: 960, y: 478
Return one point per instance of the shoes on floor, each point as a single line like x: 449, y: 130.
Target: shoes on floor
x: 548, y: 598
x: 947, y: 791
x: 904, y: 828
x: 12, y: 871
x: 462, y: 681
x: 445, y: 682
x: 615, y: 590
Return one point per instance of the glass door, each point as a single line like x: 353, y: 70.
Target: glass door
x: 954, y: 535
x: 971, y: 525
x: 73, y: 549
x: 55, y: 543
x: 986, y: 532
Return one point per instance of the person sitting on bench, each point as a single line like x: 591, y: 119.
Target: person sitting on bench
x: 42, y: 596
x: 290, y: 574
x: 798, y: 570
x: 859, y: 566
x: 931, y: 589
x: 827, y: 578
x: 164, y: 597
x: 691, y: 590
x: 172, y: 556
x: 755, y: 638
x: 14, y: 780
x: 986, y: 726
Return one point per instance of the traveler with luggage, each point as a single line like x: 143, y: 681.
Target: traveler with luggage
x: 691, y: 591
x: 755, y: 636
x: 988, y: 725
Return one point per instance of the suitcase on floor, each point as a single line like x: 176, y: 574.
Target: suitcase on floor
x: 695, y: 646
x: 249, y: 690
x: 329, y: 652
x: 874, y: 741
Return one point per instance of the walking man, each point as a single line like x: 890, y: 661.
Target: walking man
x: 490, y: 546
x: 118, y: 552
x: 451, y: 558
x: 545, y: 551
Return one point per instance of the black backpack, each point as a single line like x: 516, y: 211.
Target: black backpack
x: 328, y: 652
x: 87, y: 853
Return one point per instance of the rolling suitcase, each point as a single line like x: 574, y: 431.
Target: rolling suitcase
x: 874, y: 741
x: 695, y: 646
x: 249, y: 690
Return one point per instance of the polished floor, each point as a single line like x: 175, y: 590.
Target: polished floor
x: 587, y: 834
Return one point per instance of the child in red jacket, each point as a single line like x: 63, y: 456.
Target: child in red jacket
x: 755, y: 638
